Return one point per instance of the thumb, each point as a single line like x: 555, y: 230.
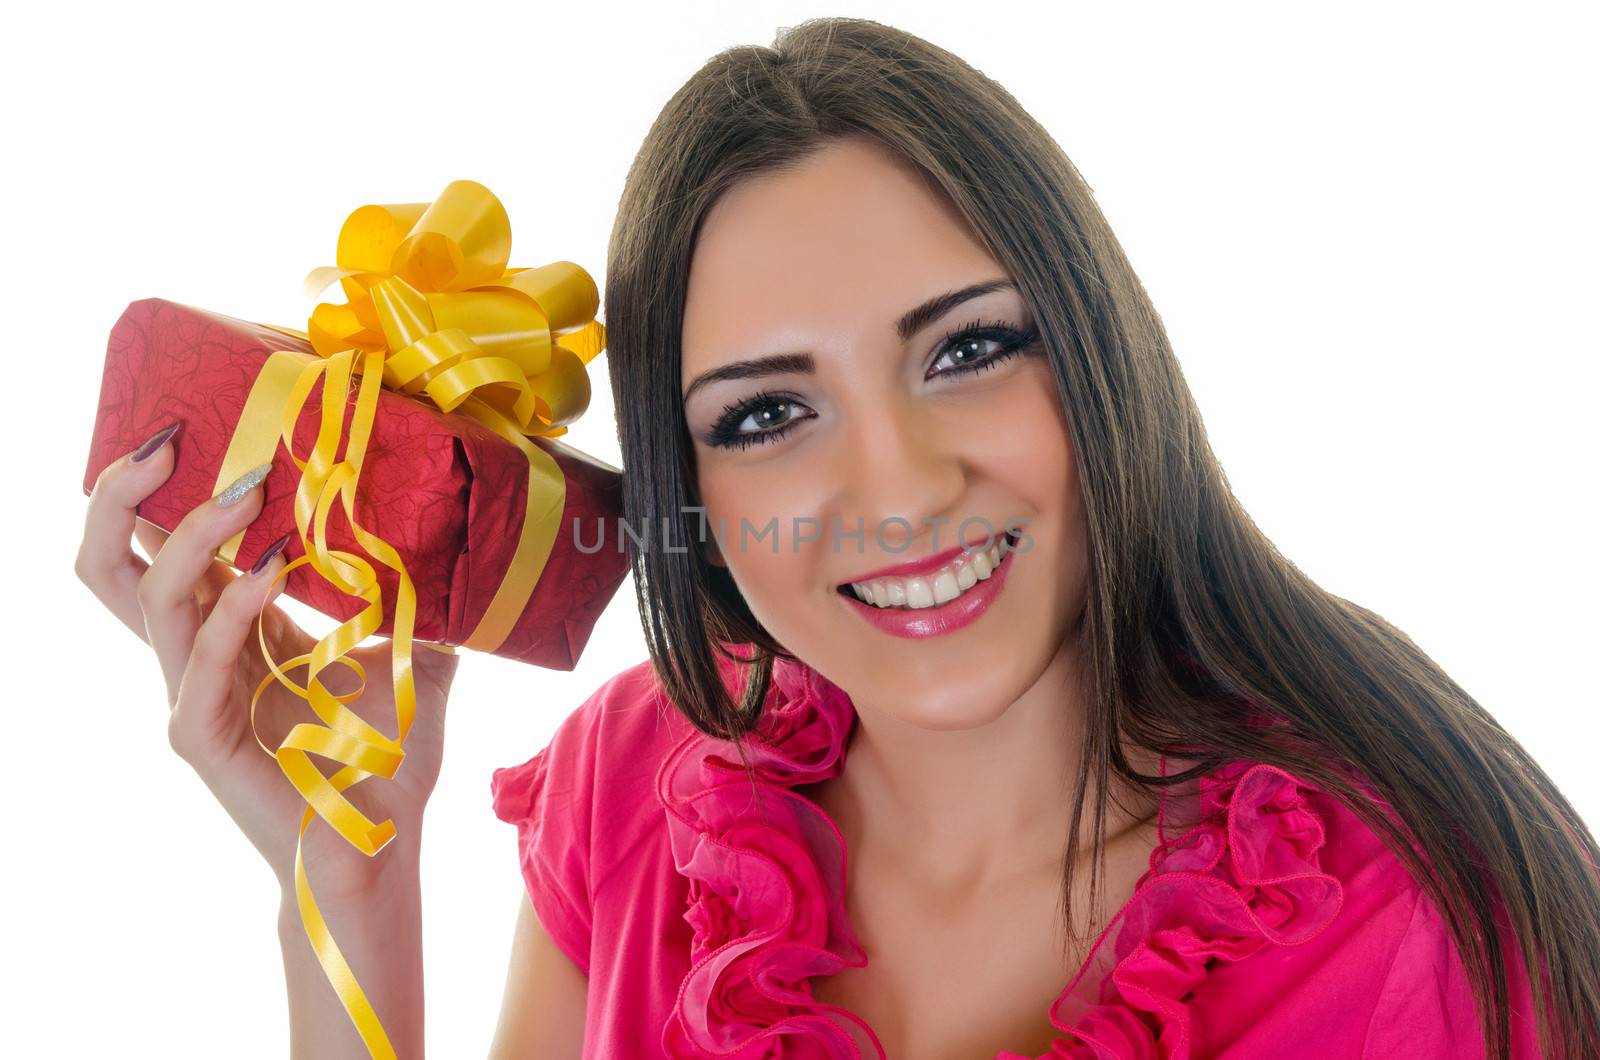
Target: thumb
x: 440, y: 661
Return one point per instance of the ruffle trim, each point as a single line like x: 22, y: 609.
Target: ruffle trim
x: 766, y: 872
x: 1246, y: 875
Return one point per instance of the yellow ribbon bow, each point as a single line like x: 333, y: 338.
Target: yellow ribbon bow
x: 432, y: 311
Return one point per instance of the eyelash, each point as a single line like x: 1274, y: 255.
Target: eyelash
x: 724, y: 432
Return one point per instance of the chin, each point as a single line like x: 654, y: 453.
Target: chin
x: 951, y: 716
x: 944, y: 698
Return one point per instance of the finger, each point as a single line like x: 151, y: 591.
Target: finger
x: 167, y: 592
x: 151, y: 536
x: 106, y: 562
x: 201, y: 716
x: 217, y: 575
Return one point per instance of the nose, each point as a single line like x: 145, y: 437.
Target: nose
x: 897, y: 468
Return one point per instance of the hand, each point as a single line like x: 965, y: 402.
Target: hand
x: 199, y: 617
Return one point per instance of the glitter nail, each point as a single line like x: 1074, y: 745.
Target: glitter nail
x: 242, y: 485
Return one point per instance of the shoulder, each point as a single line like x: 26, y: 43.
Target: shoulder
x: 1376, y: 971
x: 620, y: 733
x: 594, y: 782
x: 1423, y: 1002
x: 1290, y: 915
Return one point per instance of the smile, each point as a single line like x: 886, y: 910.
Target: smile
x: 938, y: 602
x: 938, y: 587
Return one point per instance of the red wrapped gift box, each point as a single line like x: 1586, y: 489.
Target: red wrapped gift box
x: 446, y: 492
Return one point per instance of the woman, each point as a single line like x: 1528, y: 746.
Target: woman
x: 932, y: 496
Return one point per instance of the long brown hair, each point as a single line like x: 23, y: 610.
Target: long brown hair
x: 1191, y: 612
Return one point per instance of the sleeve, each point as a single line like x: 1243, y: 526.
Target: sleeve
x: 550, y: 800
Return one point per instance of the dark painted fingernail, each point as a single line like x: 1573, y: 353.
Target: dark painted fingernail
x: 154, y: 442
x: 272, y: 550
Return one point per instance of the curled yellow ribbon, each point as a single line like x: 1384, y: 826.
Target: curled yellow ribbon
x: 432, y: 311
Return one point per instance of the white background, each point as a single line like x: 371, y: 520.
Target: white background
x: 1370, y: 229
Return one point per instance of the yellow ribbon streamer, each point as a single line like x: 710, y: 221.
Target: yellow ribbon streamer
x: 433, y: 312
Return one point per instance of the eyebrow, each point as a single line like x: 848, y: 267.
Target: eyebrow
x: 911, y: 322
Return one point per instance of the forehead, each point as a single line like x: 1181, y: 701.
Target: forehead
x: 840, y: 245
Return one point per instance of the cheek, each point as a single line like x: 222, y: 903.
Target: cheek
x: 1037, y: 462
x: 748, y: 509
x: 1033, y: 455
x: 1056, y: 491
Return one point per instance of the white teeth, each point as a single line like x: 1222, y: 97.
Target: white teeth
x: 981, y: 567
x: 960, y: 575
x: 918, y: 593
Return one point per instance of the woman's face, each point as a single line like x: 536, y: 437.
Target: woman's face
x: 871, y: 447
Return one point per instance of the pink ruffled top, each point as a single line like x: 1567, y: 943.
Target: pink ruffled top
x: 1271, y: 921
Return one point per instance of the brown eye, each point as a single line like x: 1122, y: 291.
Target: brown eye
x: 964, y: 347
x: 772, y: 415
x: 963, y: 352
x: 755, y: 421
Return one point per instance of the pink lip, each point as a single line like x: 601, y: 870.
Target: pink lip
x: 925, y: 565
x: 916, y: 623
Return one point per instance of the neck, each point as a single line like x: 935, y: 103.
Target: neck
x: 962, y: 810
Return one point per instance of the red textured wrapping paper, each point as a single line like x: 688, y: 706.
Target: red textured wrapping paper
x: 445, y: 492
